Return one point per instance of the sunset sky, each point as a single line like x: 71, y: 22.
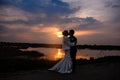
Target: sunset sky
x: 42, y: 21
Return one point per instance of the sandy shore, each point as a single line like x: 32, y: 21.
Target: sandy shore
x: 100, y: 71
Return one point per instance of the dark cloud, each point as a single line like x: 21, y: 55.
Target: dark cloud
x: 115, y: 9
x: 52, y: 9
x: 112, y: 4
x: 115, y: 6
x: 47, y: 6
x: 29, y: 23
x: 87, y: 20
x: 82, y: 23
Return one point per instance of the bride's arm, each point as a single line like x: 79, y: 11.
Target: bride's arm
x: 70, y: 43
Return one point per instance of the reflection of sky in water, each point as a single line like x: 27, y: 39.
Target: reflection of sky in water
x: 98, y: 53
x: 54, y: 54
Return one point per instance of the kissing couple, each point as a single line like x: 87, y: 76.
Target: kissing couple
x: 67, y: 64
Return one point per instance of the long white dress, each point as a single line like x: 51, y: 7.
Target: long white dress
x: 65, y: 64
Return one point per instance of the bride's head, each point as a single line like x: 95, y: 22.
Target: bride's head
x: 65, y: 33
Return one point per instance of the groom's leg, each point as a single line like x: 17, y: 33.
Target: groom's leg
x: 74, y: 63
x: 74, y: 60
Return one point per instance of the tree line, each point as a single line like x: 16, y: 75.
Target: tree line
x: 37, y: 45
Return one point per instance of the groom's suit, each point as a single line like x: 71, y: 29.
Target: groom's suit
x: 73, y: 50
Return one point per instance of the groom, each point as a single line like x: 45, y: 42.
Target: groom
x: 73, y: 49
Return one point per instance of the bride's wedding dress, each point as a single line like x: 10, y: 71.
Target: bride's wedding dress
x: 65, y: 64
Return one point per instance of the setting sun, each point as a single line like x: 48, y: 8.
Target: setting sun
x: 59, y: 34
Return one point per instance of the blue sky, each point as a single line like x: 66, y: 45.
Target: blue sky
x: 42, y: 21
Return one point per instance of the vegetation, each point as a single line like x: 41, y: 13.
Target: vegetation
x: 12, y: 58
x: 106, y: 59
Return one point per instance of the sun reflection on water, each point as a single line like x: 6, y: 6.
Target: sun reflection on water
x: 59, y: 54
x: 54, y: 54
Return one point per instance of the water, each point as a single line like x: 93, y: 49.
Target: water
x: 54, y: 54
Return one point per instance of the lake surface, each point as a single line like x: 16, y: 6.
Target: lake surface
x: 54, y: 54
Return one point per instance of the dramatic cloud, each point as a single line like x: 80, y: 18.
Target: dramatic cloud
x: 103, y: 10
x: 44, y: 20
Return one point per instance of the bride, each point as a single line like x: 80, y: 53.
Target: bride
x: 65, y: 64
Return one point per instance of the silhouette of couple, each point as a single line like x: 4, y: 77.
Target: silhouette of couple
x: 67, y: 64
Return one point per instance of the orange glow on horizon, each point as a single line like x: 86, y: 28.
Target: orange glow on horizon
x: 53, y: 30
x: 82, y: 57
x: 82, y: 33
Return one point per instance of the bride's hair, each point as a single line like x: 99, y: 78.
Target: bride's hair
x: 65, y: 32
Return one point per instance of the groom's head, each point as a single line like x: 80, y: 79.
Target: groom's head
x: 71, y: 32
